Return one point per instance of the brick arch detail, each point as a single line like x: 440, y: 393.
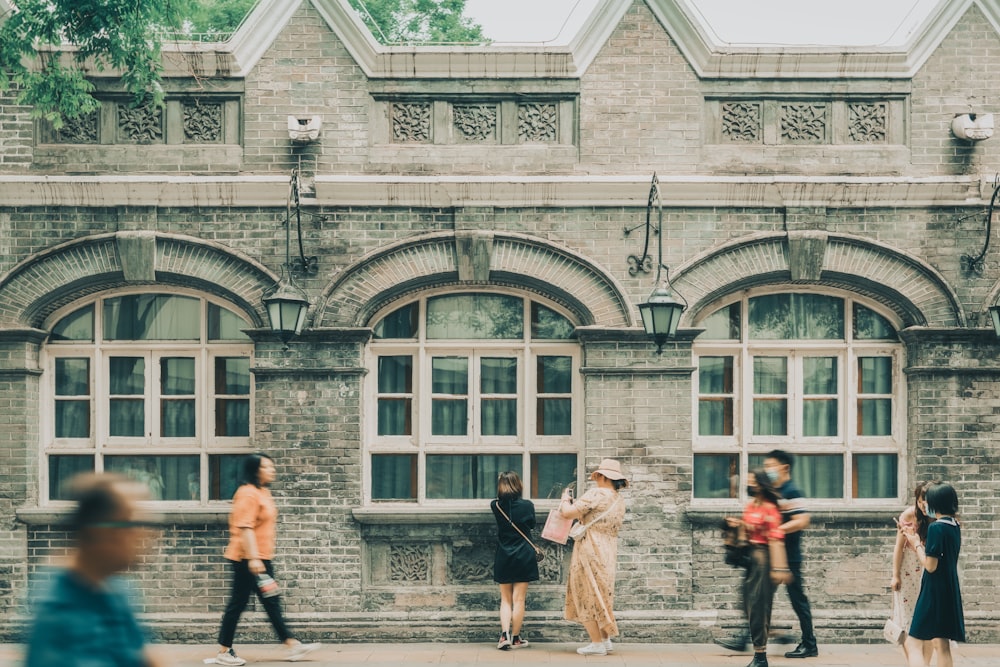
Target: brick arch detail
x: 516, y: 260
x: 910, y: 287
x: 49, y: 280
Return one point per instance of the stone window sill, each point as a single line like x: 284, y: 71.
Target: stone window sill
x: 874, y: 515
x: 173, y: 516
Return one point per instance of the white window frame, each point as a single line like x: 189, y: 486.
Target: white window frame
x: 99, y: 443
x: 421, y: 443
x: 846, y: 443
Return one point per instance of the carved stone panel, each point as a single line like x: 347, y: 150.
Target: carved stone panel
x: 741, y: 122
x: 202, y: 122
x: 140, y: 125
x: 80, y: 130
x: 472, y: 564
x: 475, y: 122
x: 537, y: 123
x: 411, y: 123
x: 803, y: 123
x: 867, y: 123
x: 410, y: 563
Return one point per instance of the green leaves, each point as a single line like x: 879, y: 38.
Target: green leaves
x: 418, y: 21
x: 48, y: 46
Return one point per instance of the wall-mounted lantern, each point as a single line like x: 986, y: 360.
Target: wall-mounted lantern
x: 972, y: 126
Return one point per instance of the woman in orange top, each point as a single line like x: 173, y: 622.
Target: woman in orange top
x: 252, y: 531
x: 768, y: 560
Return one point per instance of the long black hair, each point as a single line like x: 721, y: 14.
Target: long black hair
x: 250, y: 470
x: 765, y: 490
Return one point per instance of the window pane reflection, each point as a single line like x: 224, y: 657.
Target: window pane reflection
x: 716, y: 476
x: 467, y: 476
x: 166, y: 477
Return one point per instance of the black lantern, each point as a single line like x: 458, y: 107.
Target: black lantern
x: 286, y: 310
x: 662, y: 310
x: 995, y: 317
x: 661, y: 314
x: 287, y: 304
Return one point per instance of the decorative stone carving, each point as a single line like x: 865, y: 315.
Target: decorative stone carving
x: 550, y: 569
x: 537, y: 123
x: 803, y: 123
x: 741, y: 122
x: 202, y: 122
x: 473, y: 564
x: 409, y: 562
x: 80, y: 130
x: 867, y: 123
x: 475, y: 122
x: 140, y: 125
x: 411, y: 123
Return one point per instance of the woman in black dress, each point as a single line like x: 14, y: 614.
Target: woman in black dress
x: 937, y: 615
x: 515, y: 564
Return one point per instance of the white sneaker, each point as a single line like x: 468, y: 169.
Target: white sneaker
x: 608, y: 646
x: 229, y: 658
x: 593, y: 649
x: 300, y: 651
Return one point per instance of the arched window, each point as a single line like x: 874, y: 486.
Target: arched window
x: 817, y: 375
x: 155, y: 386
x: 465, y: 386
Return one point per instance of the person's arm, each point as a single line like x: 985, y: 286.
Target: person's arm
x: 929, y: 563
x: 780, y: 572
x: 796, y: 523
x: 567, y: 508
x: 897, y: 560
x: 254, y: 562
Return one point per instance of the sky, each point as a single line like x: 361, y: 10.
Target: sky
x: 759, y: 22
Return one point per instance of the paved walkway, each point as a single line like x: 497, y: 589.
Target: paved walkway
x: 553, y: 655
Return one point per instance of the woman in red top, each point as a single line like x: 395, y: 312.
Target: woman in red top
x: 768, y: 560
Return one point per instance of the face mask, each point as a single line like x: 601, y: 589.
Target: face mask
x: 931, y: 514
x: 751, y: 491
x: 772, y: 475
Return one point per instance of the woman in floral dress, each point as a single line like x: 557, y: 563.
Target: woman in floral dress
x: 906, y: 568
x: 590, y: 589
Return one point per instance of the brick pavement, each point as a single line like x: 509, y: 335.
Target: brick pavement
x: 552, y: 655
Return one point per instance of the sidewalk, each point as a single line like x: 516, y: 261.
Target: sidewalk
x: 553, y: 655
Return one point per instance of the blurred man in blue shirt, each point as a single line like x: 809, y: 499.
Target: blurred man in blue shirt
x: 84, y: 619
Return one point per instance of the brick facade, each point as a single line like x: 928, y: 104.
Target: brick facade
x: 390, y: 220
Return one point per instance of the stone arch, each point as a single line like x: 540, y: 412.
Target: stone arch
x: 513, y: 260
x: 909, y: 287
x: 43, y: 283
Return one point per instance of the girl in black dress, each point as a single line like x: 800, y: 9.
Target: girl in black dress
x: 515, y: 563
x: 937, y: 615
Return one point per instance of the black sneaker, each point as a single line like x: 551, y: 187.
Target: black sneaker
x: 504, y: 642
x: 518, y: 642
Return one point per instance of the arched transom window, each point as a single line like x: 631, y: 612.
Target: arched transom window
x: 817, y: 375
x: 465, y: 386
x: 154, y: 386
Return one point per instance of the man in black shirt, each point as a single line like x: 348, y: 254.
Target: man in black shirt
x: 795, y: 517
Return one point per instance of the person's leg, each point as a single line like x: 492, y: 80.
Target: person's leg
x: 756, y: 596
x: 519, y: 596
x: 243, y: 585
x: 800, y: 604
x: 915, y: 652
x: 929, y: 652
x: 506, y: 611
x: 943, y: 646
x: 593, y: 631
x: 272, y: 606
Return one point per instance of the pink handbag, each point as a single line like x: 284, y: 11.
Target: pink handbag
x: 556, y: 527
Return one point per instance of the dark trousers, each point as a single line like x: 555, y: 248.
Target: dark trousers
x: 758, y: 595
x: 800, y: 603
x: 244, y: 584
